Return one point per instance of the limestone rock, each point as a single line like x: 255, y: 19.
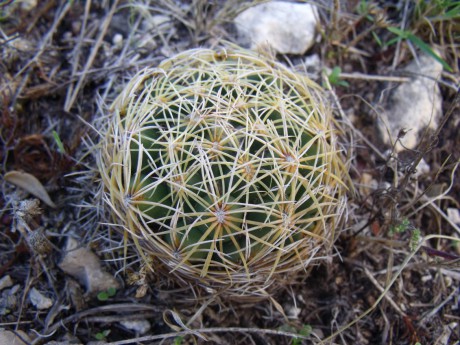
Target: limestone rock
x: 40, y: 301
x: 139, y: 326
x: 414, y: 105
x: 8, y: 337
x: 84, y: 265
x: 288, y: 28
x: 454, y: 215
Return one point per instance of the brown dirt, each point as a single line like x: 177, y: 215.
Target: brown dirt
x: 60, y: 67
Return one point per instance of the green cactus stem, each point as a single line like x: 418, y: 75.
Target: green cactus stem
x: 224, y: 168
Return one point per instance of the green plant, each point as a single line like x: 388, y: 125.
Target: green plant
x: 105, y: 295
x: 334, y: 77
x: 304, y: 331
x: 432, y: 12
x: 58, y: 141
x: 403, y: 226
x: 400, y: 227
x: 409, y: 36
x: 102, y: 335
x: 224, y: 169
x: 178, y: 340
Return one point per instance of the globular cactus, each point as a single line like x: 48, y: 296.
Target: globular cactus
x: 223, y: 168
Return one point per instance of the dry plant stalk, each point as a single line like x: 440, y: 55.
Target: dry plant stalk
x: 224, y: 169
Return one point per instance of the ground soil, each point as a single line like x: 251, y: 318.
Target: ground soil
x: 63, y: 62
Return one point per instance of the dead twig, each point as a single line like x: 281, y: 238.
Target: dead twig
x: 117, y: 308
x: 381, y: 289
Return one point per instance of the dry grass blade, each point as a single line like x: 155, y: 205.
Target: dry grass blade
x: 73, y: 93
x: 384, y: 293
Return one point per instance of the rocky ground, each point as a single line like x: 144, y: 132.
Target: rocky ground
x: 390, y: 69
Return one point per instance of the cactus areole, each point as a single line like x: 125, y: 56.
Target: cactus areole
x: 223, y: 169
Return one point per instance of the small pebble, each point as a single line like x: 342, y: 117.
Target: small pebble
x: 5, y: 282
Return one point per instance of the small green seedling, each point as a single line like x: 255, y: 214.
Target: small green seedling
x: 59, y: 143
x: 334, y: 77
x: 377, y: 39
x: 102, y: 335
x: 178, y: 340
x: 105, y: 295
x: 402, y: 227
x: 305, y: 331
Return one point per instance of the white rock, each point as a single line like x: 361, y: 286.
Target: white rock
x: 139, y: 326
x: 84, y: 265
x: 293, y: 312
x: 38, y: 300
x: 5, y: 282
x: 289, y: 28
x: 9, y: 338
x: 413, y: 105
x: 454, y: 215
x: 117, y: 40
x: 312, y: 62
x: 28, y: 5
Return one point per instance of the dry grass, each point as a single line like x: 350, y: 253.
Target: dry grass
x: 62, y: 63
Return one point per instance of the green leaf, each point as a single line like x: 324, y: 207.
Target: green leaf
x: 306, y: 330
x: 401, y: 33
x: 99, y: 336
x: 58, y: 141
x: 451, y: 14
x: 428, y: 50
x: 111, y: 291
x: 400, y: 227
x: 407, y: 35
x: 377, y: 39
x: 178, y: 340
x: 102, y: 335
x: 392, y: 41
x: 334, y: 77
x: 103, y: 296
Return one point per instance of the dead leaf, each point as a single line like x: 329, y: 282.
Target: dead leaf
x: 30, y: 184
x: 5, y: 282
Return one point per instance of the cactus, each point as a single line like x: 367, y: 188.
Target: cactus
x: 224, y: 169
